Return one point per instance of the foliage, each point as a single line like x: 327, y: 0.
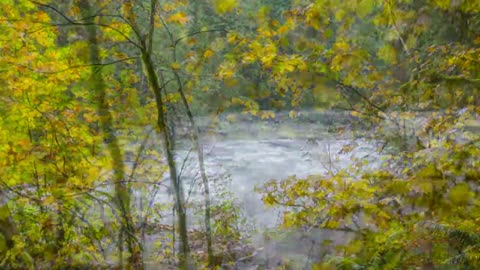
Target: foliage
x: 419, y: 208
x: 407, y: 70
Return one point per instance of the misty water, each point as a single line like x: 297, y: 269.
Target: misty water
x: 252, y: 162
x: 244, y: 155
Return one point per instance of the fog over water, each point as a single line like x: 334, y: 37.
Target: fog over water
x: 246, y: 155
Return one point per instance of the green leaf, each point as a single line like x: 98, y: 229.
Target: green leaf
x: 388, y: 54
x: 365, y: 7
x: 460, y: 194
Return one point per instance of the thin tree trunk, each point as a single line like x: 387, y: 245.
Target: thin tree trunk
x: 196, y: 6
x: 122, y: 194
x: 195, y: 141
x: 162, y: 124
x: 168, y: 140
x: 201, y: 163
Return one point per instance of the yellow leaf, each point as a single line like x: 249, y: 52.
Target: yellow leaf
x: 224, y: 6
x: 341, y: 46
x: 191, y: 41
x: 175, y: 66
x: 267, y: 115
x: 120, y: 55
x: 127, y: 10
x: 225, y: 71
x: 103, y: 53
x: 426, y: 187
x: 167, y: 7
x: 292, y: 114
x: 237, y: 101
x: 49, y: 200
x: 179, y: 17
x: 42, y: 16
x: 75, y: 10
x: 92, y: 172
x: 269, y: 200
x: 365, y: 7
x: 232, y: 37
x: 340, y: 14
x: 460, y: 194
x: 283, y: 29
x: 388, y: 54
x: 248, y: 58
x: 252, y: 112
x: 230, y: 82
x: 208, y: 53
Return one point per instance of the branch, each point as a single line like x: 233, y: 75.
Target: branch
x: 198, y: 32
x: 137, y: 161
x: 55, y: 10
x: 76, y: 66
x: 153, y: 7
x: 76, y: 23
x: 355, y: 91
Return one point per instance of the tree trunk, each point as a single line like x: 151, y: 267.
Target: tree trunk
x: 201, y: 163
x: 162, y: 124
x: 122, y: 194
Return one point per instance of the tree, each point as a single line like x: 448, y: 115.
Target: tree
x: 49, y: 146
x: 402, y: 213
x: 79, y: 81
x: 122, y: 193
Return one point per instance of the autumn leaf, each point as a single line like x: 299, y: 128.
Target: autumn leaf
x: 192, y: 41
x: 232, y: 37
x: 208, y: 53
x: 48, y: 200
x: 237, y: 101
x: 224, y: 6
x: 126, y: 10
x: 292, y: 114
x: 175, y: 66
x: 365, y: 7
x: 388, y: 54
x: 179, y: 18
x: 460, y: 194
x: 267, y: 114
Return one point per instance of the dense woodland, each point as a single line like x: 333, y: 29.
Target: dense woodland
x: 96, y: 96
